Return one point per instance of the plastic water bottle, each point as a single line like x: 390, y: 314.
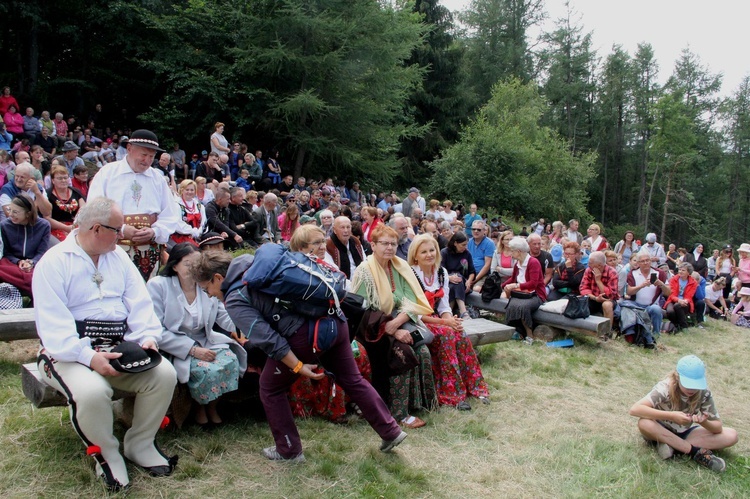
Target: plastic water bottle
x: 355, y: 349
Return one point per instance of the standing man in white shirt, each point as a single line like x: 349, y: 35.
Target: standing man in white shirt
x: 89, y: 298
x: 151, y: 214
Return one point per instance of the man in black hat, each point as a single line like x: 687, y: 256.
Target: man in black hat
x: 89, y: 298
x: 70, y: 157
x: 151, y: 214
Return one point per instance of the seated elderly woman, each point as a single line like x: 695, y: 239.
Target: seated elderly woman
x: 454, y: 362
x: 209, y: 362
x: 456, y: 259
x: 370, y: 220
x: 193, y: 215
x: 390, y: 286
x: 65, y: 200
x: 680, y: 301
x: 600, y: 284
x: 525, y: 289
x: 25, y: 239
x: 568, y: 275
x: 595, y: 239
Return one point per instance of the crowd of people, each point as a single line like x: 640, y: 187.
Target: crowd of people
x: 412, y: 261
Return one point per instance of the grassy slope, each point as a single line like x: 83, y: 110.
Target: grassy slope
x: 557, y: 426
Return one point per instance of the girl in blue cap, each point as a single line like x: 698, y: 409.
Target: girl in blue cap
x: 679, y: 415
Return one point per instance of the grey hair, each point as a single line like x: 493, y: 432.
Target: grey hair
x: 518, y: 243
x: 534, y: 236
x: 444, y: 225
x: 644, y: 254
x: 25, y: 167
x: 326, y: 213
x: 556, y: 223
x: 96, y: 211
x: 598, y: 257
x: 686, y: 265
x: 270, y: 197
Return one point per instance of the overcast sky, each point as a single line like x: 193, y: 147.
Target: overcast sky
x: 715, y: 30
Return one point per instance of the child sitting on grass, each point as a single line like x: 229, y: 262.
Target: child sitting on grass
x: 741, y: 312
x: 679, y: 415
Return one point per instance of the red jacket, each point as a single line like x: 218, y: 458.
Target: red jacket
x: 534, y: 278
x: 674, y: 284
x: 367, y: 228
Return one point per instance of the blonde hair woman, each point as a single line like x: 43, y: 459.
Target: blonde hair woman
x: 454, y: 362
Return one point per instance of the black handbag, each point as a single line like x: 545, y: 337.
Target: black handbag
x: 492, y: 287
x: 577, y: 308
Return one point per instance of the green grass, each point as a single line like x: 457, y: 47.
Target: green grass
x: 557, y: 427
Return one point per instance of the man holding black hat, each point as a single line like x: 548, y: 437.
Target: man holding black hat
x: 151, y: 214
x: 89, y: 300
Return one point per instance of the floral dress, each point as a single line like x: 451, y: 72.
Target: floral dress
x: 454, y: 361
x: 323, y: 398
x: 209, y: 380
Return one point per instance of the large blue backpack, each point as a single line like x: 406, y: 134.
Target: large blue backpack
x: 311, y: 285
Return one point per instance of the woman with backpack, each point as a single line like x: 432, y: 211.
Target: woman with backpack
x: 284, y: 337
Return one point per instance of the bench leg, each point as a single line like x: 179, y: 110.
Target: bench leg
x: 548, y: 333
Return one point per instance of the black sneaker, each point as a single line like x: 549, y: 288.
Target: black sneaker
x: 706, y: 458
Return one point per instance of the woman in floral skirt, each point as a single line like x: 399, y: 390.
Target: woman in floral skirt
x: 454, y: 362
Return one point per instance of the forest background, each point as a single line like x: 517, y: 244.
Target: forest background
x: 481, y: 106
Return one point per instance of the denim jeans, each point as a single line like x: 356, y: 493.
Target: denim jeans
x: 655, y: 313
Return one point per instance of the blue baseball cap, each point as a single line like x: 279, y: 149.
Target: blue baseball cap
x: 556, y: 252
x: 692, y: 372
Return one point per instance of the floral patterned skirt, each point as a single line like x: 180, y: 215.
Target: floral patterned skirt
x: 309, y: 397
x: 210, y: 380
x: 415, y: 389
x: 742, y: 321
x: 455, y: 366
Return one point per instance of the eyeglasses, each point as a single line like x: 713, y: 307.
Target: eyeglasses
x: 387, y: 244
x: 319, y: 242
x: 116, y: 230
x: 204, y: 286
x: 476, y: 230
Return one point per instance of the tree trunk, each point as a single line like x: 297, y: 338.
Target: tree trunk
x: 604, y: 187
x: 662, y: 237
x: 299, y: 161
x: 647, y: 208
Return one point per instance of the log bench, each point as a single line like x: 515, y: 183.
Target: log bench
x: 484, y: 331
x: 42, y: 395
x: 17, y: 324
x: 550, y: 325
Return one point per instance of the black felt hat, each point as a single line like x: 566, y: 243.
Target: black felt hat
x: 134, y: 359
x: 145, y: 138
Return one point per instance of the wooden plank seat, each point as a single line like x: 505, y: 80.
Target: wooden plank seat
x: 484, y: 331
x: 42, y: 395
x: 550, y: 325
x: 17, y: 324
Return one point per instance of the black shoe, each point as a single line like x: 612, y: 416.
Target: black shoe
x: 159, y: 471
x: 463, y: 406
x: 649, y: 346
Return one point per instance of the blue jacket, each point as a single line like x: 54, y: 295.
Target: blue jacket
x: 25, y: 242
x: 265, y: 323
x: 5, y: 140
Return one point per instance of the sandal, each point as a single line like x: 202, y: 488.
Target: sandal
x: 412, y: 422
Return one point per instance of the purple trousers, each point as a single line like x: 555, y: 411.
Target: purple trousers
x: 277, y: 378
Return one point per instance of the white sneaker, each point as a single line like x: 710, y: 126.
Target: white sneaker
x: 388, y: 445
x: 272, y: 454
x: 664, y: 451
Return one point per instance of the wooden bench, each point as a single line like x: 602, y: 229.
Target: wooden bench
x: 550, y: 325
x: 42, y: 395
x: 484, y: 331
x: 17, y: 324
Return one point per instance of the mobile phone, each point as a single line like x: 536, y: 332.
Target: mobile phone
x: 416, y: 336
x: 654, y: 277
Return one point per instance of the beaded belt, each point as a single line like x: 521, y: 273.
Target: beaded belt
x: 139, y: 221
x: 104, y: 334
